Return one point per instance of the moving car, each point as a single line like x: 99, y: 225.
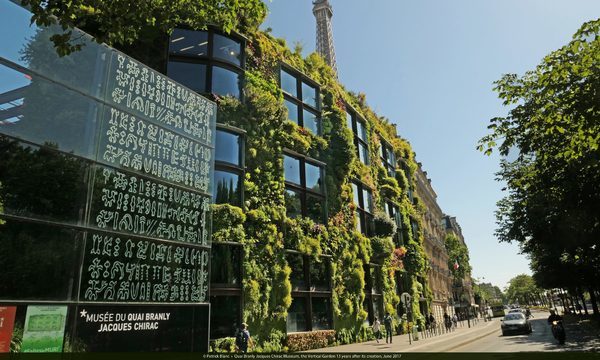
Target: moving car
x: 515, y: 322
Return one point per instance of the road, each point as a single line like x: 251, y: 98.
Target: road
x: 540, y: 339
x: 483, y: 337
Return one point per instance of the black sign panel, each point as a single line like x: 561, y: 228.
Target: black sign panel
x: 142, y: 328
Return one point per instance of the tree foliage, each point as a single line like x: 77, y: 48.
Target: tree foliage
x: 457, y: 253
x: 124, y: 21
x: 521, y: 288
x: 550, y: 140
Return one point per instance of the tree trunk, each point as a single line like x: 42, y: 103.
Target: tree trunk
x: 593, y: 300
x: 582, y: 300
x: 561, y: 295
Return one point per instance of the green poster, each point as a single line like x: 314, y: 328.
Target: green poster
x: 44, y: 329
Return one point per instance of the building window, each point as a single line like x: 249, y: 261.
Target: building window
x: 363, y: 200
x: 311, y: 293
x: 374, y: 292
x: 388, y: 158
x: 229, y: 167
x: 226, y: 289
x: 361, y: 140
x: 304, y: 193
x: 393, y: 212
x: 301, y: 98
x: 206, y: 61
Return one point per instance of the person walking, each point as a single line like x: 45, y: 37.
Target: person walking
x: 242, y: 338
x: 455, y: 320
x: 387, y: 321
x: 377, y: 329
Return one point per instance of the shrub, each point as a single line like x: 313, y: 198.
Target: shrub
x: 223, y: 345
x: 384, y: 225
x: 310, y: 340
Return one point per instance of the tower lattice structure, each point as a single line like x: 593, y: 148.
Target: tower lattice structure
x: 323, y: 12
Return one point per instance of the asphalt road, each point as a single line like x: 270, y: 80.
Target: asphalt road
x: 540, y: 339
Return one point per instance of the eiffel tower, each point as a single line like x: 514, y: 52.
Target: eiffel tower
x: 323, y: 12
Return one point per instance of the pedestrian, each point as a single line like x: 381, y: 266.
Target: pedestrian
x: 455, y: 320
x: 387, y: 321
x: 447, y: 321
x: 377, y: 329
x: 242, y: 338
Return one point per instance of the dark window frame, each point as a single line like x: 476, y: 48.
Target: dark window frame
x: 226, y: 290
x: 301, y: 188
x: 310, y: 292
x: 388, y: 164
x: 366, y: 217
x: 393, y: 211
x: 298, y: 101
x: 372, y: 297
x: 358, y: 142
x: 211, y: 61
x: 239, y: 169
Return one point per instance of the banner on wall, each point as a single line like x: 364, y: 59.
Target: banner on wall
x: 44, y: 329
x: 7, y: 323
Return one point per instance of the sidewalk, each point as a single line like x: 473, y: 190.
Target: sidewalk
x: 400, y: 342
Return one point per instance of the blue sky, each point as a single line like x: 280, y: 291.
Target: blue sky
x: 429, y: 67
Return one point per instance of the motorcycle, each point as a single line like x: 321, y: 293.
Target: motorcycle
x: 558, y: 331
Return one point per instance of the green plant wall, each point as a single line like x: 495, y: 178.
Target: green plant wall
x: 265, y: 230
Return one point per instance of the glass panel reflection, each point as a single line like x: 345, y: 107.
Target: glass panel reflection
x: 226, y: 49
x: 188, y: 42
x: 361, y: 131
x: 313, y: 177
x: 288, y: 83
x: 296, y: 320
x: 315, y: 209
x: 227, y: 147
x: 46, y: 113
x: 227, y: 188
x: 321, y: 310
x: 225, y: 82
x: 39, y: 182
x: 291, y: 169
x: 292, y: 110
x: 349, y: 121
x: 39, y: 262
x: 224, y: 316
x: 188, y: 74
x: 311, y: 122
x: 293, y: 204
x: 225, y: 265
x: 296, y: 263
x: 309, y: 95
x: 319, y: 274
x: 363, y: 154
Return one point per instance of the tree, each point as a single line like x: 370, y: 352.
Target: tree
x: 552, y: 135
x: 522, y: 289
x: 124, y: 21
x: 458, y: 257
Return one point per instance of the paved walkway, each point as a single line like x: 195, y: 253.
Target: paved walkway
x: 400, y: 342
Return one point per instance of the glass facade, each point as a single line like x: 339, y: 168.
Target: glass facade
x: 301, y: 98
x: 81, y: 196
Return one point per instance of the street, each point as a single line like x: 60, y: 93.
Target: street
x: 484, y: 337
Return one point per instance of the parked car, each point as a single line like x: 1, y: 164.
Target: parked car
x: 515, y: 322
